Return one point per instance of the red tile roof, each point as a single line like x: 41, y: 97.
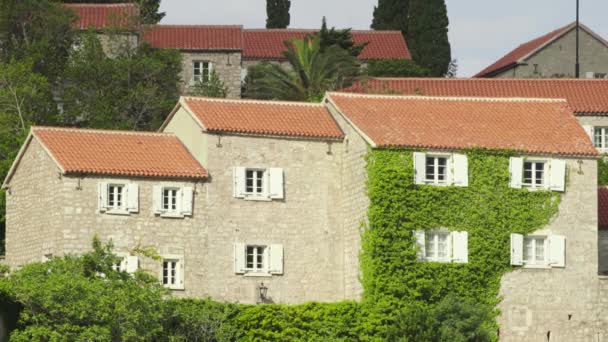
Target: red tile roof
x: 523, y: 50
x: 263, y: 117
x: 535, y: 126
x: 100, y: 16
x: 585, y: 97
x: 121, y: 153
x: 269, y: 44
x: 197, y: 37
x: 602, y: 207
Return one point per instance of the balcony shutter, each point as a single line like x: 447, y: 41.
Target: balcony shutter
x: 157, y: 199
x: 276, y: 183
x: 461, y: 170
x: 419, y: 235
x: 187, y: 201
x: 557, y: 251
x: 103, y: 197
x: 419, y: 167
x: 239, y: 181
x: 239, y: 258
x: 132, y: 197
x: 276, y: 259
x: 558, y: 175
x: 460, y: 245
x: 517, y: 249
x: 516, y: 168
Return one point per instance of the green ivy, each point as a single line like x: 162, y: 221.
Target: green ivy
x: 488, y: 209
x: 602, y: 171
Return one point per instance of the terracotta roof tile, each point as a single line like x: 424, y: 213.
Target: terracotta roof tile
x: 533, y: 126
x: 263, y: 117
x: 523, y: 50
x: 602, y: 207
x: 585, y: 97
x: 196, y: 37
x: 100, y: 16
x: 120, y: 153
x: 269, y: 44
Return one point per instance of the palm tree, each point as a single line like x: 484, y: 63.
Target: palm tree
x: 312, y: 72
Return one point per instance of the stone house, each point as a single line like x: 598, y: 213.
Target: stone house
x: 554, y: 55
x: 239, y: 193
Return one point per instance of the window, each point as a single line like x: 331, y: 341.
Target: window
x: 254, y: 182
x: 127, y: 263
x: 256, y: 258
x: 436, y: 248
x: 173, y: 273
x: 115, y: 196
x: 600, y: 138
x: 170, y: 199
x: 599, y: 75
x: 261, y: 184
x: 436, y: 170
x: 441, y: 169
x: 201, y: 71
x: 534, y: 250
x: 534, y: 174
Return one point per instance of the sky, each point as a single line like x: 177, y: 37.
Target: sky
x: 480, y: 31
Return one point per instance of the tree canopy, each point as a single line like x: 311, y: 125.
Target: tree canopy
x: 391, y: 15
x: 278, y: 13
x: 427, y: 35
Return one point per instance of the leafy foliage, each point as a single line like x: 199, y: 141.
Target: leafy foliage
x: 395, y: 68
x: 214, y: 87
x: 427, y: 35
x: 391, y: 15
x: 313, y: 72
x: 488, y: 209
x: 602, y: 171
x: 199, y: 320
x: 340, y: 38
x: 278, y: 13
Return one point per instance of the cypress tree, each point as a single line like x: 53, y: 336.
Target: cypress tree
x: 278, y: 13
x: 428, y: 35
x: 391, y: 15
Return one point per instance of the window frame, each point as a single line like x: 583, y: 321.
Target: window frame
x: 448, y: 169
x: 177, y: 198
x: 534, y: 263
x: 546, y: 174
x: 263, y: 178
x: 265, y: 259
x: 123, y: 198
x: 603, y: 145
x: 434, y: 234
x: 178, y: 269
x: 201, y: 71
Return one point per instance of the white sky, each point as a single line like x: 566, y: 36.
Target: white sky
x: 481, y: 31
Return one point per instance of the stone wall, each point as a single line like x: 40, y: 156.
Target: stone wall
x: 558, y: 58
x: 559, y: 304
x: 227, y: 64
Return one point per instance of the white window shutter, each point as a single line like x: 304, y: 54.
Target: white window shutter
x: 239, y: 258
x: 558, y: 175
x: 590, y: 132
x: 157, y: 199
x: 461, y: 170
x: 132, y: 197
x: 276, y: 259
x: 238, y: 174
x: 420, y: 243
x: 557, y: 251
x: 131, y: 263
x: 517, y: 249
x: 103, y: 197
x: 590, y: 74
x: 187, y: 200
x: 181, y: 273
x: 460, y: 246
x: 516, y: 170
x: 276, y: 183
x: 419, y: 167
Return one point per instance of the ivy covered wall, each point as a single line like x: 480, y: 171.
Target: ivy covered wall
x: 488, y: 209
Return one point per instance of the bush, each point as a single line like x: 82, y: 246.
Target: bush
x: 199, y: 320
x: 602, y: 171
x: 396, y: 68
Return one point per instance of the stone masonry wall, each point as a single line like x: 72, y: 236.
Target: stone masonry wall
x: 558, y: 58
x: 559, y: 304
x: 226, y: 64
x: 32, y: 208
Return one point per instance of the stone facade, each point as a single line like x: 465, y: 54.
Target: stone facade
x: 558, y: 58
x: 227, y: 64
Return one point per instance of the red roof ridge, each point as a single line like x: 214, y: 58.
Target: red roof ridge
x: 317, y: 30
x: 194, y: 26
x: 265, y: 102
x: 124, y: 4
x: 100, y: 131
x: 450, y: 98
x: 471, y: 79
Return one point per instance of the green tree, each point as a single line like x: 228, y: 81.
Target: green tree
x: 278, y: 13
x: 391, y: 15
x: 395, y: 68
x: 135, y: 89
x: 312, y: 72
x: 340, y: 38
x: 427, y: 35
x: 148, y: 8
x: 214, y: 87
x: 85, y: 299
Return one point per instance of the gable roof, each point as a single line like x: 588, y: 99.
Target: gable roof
x: 602, y: 207
x: 194, y: 37
x: 585, y: 96
x: 115, y: 153
x: 525, y: 50
x: 535, y: 126
x: 100, y: 16
x: 269, y: 43
x: 274, y: 118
